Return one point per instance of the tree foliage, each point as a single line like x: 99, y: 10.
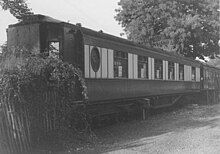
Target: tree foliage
x: 188, y: 27
x: 18, y: 8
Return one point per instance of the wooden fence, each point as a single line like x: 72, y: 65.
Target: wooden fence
x: 20, y: 125
x: 14, y: 127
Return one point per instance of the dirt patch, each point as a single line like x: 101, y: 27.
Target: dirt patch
x: 192, y: 129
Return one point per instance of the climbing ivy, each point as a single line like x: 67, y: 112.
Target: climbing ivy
x: 42, y: 86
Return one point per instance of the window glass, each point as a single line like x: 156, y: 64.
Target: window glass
x: 181, y: 72
x: 158, y: 66
x: 142, y: 67
x: 120, y: 64
x: 193, y: 73
x: 171, y: 70
x: 54, y: 49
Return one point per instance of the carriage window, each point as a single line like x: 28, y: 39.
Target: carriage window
x: 171, y: 70
x: 142, y: 67
x: 120, y: 64
x: 193, y: 73
x: 54, y: 49
x: 206, y: 75
x: 158, y: 64
x: 181, y: 72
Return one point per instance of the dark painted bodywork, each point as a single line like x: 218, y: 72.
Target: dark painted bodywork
x: 35, y: 35
x: 106, y: 89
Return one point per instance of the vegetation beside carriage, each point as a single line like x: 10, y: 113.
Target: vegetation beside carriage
x: 42, y: 99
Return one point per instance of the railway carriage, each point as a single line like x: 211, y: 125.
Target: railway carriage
x: 114, y: 68
x: 211, y: 78
x: 210, y: 83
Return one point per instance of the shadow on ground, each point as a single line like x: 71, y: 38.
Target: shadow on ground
x: 138, y: 133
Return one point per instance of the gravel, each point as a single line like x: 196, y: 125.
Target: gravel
x: 191, y: 130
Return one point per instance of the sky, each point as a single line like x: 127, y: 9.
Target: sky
x: 95, y: 14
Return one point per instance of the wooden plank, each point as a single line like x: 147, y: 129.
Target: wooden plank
x: 104, y: 63
x: 190, y: 73
x: 130, y: 66
x: 86, y: 61
x: 177, y: 71
x: 6, y: 129
x: 152, y: 69
x: 149, y: 68
x: 197, y: 74
x: 4, y: 147
x: 166, y: 74
x: 164, y: 70
x: 186, y: 73
x: 136, y: 66
x: 110, y: 63
x: 9, y: 126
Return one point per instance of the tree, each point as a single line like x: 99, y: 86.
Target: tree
x: 188, y: 27
x: 18, y: 8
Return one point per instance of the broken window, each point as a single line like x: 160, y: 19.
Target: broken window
x: 54, y: 49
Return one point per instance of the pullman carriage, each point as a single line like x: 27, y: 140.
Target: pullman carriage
x: 114, y: 68
x: 126, y: 71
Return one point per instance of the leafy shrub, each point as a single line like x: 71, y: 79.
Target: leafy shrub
x: 45, y: 90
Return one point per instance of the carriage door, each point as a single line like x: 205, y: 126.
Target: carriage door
x: 73, y: 47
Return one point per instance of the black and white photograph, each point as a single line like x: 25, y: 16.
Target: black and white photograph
x: 110, y: 77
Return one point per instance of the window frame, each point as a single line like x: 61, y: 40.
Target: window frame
x: 143, y: 60
x: 52, y: 53
x: 193, y: 73
x: 181, y: 67
x: 171, y: 67
x: 120, y: 64
x: 158, y: 73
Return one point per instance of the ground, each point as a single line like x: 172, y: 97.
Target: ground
x: 193, y: 130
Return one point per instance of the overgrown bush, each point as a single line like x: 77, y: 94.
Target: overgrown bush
x: 45, y: 88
